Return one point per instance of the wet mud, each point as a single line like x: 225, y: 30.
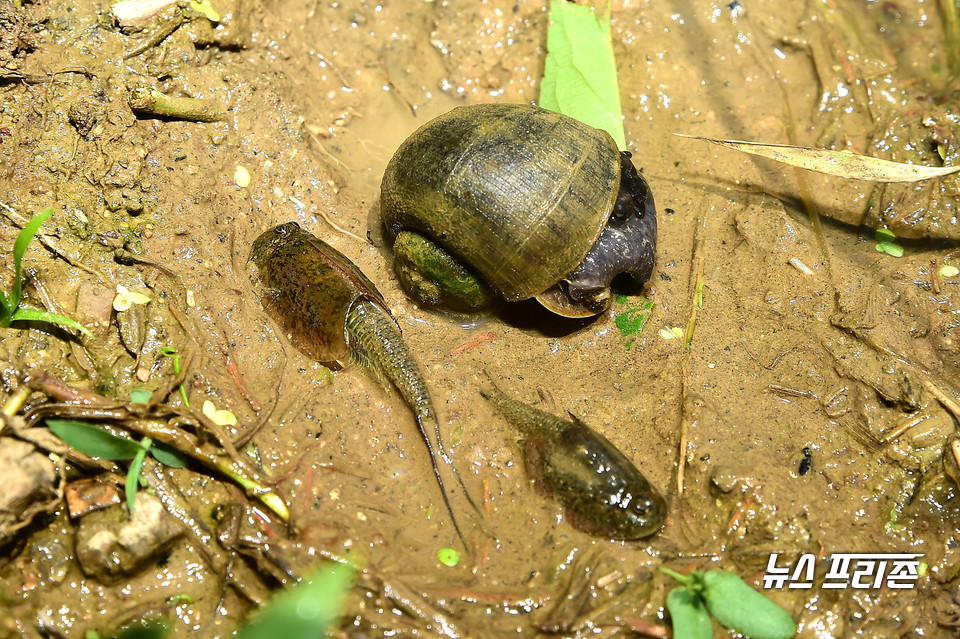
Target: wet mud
x: 793, y: 391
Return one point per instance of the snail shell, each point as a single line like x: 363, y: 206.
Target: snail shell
x: 517, y: 194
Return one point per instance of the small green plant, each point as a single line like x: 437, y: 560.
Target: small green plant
x: 10, y: 310
x: 171, y: 352
x: 96, y: 442
x: 728, y: 599
x: 631, y: 320
x: 887, y: 243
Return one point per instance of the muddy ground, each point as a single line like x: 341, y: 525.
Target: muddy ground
x: 809, y: 415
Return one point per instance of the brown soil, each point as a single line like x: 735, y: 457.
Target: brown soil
x: 854, y: 359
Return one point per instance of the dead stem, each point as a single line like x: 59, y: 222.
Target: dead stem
x: 157, y: 36
x: 785, y: 391
x: 234, y: 372
x: 16, y: 401
x: 695, y: 285
x: 943, y: 389
x: 7, y: 75
x: 393, y: 87
x: 950, y: 403
x: 904, y: 427
x: 236, y: 574
x: 951, y: 35
x: 146, y: 101
x: 42, y: 381
x: 336, y: 227
x: 736, y: 520
x: 323, y: 149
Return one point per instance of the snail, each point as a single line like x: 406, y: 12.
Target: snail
x: 604, y: 493
x: 514, y: 201
x: 333, y: 313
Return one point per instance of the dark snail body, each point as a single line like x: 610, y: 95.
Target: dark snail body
x: 519, y: 196
x: 332, y: 313
x: 603, y: 491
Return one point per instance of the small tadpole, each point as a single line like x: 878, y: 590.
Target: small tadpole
x: 806, y: 463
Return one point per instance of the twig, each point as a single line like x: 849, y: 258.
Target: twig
x: 147, y: 101
x: 16, y: 401
x: 696, y: 285
x: 902, y: 428
x: 950, y: 403
x: 6, y: 75
x: 52, y: 386
x: 157, y: 36
x: 393, y: 87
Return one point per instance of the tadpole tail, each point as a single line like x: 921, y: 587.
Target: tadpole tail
x: 526, y: 419
x: 380, y: 345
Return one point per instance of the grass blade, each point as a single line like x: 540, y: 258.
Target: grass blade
x: 20, y: 247
x: 133, y: 473
x: 33, y: 315
x: 845, y: 164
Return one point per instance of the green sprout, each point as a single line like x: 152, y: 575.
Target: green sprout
x: 886, y: 243
x: 10, y: 310
x: 728, y: 599
x: 171, y: 352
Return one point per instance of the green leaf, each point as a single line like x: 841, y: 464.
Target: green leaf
x: 156, y: 630
x: 304, y: 611
x: 890, y: 248
x: 580, y: 73
x: 203, y: 7
x: 886, y: 242
x: 846, y: 164
x: 884, y: 235
x: 20, y: 247
x: 9, y: 311
x: 168, y: 456
x: 688, y: 615
x: 33, y: 315
x: 736, y: 605
x: 93, y: 441
x: 448, y: 557
x: 141, y: 396
x: 133, y: 473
